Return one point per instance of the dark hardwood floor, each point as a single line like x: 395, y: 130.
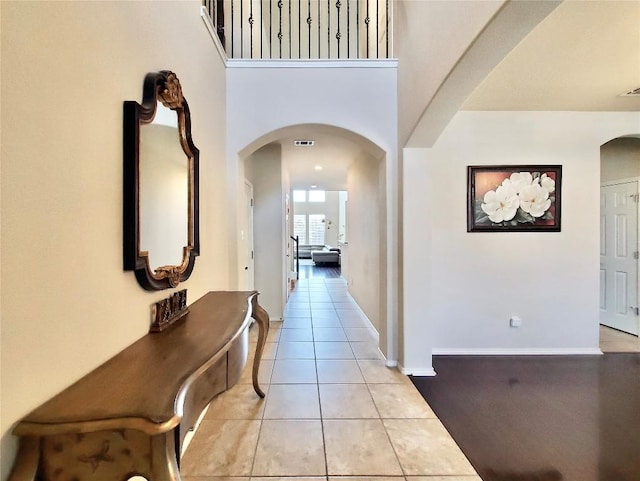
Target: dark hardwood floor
x: 541, y: 418
x: 327, y: 271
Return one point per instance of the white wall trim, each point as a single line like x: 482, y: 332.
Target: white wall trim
x: 368, y: 321
x: 408, y: 371
x: 212, y: 32
x: 388, y: 362
x: 311, y: 63
x: 587, y: 351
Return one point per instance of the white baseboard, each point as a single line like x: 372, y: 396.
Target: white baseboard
x: 387, y: 362
x: 571, y: 351
x: 408, y: 371
x: 368, y: 321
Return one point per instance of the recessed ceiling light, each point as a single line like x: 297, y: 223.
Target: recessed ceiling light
x: 318, y: 167
x: 313, y: 186
x: 303, y: 143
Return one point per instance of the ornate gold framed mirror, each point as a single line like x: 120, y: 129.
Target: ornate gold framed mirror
x: 161, y: 236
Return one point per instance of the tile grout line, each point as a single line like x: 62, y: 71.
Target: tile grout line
x: 261, y: 419
x: 317, y: 383
x: 324, y: 439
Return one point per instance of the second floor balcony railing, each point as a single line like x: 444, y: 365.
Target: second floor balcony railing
x: 302, y: 29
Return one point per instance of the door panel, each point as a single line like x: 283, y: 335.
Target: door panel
x: 621, y: 286
x: 618, y: 263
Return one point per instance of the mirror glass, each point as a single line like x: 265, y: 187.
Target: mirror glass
x: 161, y: 232
x: 164, y: 191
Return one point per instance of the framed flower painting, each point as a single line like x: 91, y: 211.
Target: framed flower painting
x: 514, y: 198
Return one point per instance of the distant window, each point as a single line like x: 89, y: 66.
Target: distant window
x: 299, y: 195
x: 316, y: 229
x: 300, y: 227
x: 316, y: 196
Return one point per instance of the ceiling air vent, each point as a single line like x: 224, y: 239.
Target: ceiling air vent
x: 303, y: 143
x: 631, y: 93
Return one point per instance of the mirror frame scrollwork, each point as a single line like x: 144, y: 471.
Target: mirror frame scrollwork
x: 163, y: 87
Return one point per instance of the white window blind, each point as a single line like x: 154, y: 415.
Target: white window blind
x: 300, y: 227
x: 316, y: 229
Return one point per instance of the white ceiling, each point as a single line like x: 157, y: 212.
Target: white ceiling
x: 334, y: 154
x: 580, y: 58
x: 333, y: 150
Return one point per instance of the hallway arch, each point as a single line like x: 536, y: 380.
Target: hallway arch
x: 619, y: 213
x: 365, y: 167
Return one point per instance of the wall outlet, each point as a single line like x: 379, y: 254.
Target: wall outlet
x: 515, y: 321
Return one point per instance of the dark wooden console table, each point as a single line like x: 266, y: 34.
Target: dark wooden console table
x: 129, y: 416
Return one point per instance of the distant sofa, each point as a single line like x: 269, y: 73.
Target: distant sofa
x: 326, y: 256
x: 304, y: 251
x: 320, y: 254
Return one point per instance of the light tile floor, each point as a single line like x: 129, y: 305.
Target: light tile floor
x: 333, y: 410
x: 617, y: 341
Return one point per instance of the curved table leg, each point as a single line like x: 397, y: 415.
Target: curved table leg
x: 164, y: 462
x: 262, y: 317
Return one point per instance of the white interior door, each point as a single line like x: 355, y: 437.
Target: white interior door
x: 246, y: 239
x: 619, y: 256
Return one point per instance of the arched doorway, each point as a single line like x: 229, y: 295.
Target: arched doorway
x: 619, y: 194
x: 275, y: 167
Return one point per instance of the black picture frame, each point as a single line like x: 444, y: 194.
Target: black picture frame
x: 499, y: 201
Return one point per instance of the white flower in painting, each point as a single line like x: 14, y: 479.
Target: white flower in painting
x: 535, y: 200
x: 519, y: 180
x: 501, y: 204
x: 547, y: 183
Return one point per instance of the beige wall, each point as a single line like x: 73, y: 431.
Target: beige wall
x: 620, y: 159
x: 67, y: 305
x: 365, y: 224
x: 265, y: 173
